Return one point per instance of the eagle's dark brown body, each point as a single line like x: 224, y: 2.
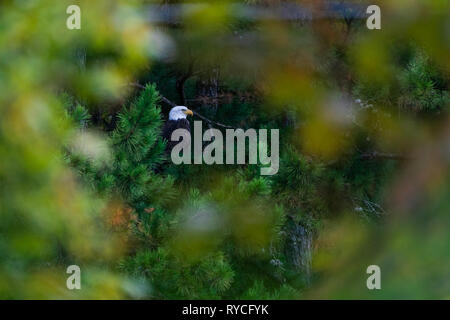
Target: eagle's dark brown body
x: 169, y: 127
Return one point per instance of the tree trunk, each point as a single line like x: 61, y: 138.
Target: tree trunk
x: 299, y: 249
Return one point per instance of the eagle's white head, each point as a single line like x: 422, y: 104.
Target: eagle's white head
x: 179, y: 112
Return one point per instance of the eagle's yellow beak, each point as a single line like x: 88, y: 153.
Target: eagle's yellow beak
x: 188, y: 112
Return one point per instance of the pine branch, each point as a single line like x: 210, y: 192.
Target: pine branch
x: 136, y: 123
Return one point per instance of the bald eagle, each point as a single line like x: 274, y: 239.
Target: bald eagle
x: 177, y: 120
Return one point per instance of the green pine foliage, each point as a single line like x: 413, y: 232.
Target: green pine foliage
x: 422, y: 87
x: 226, y: 232
x: 135, y: 151
x: 216, y: 244
x: 173, y: 278
x: 419, y: 87
x: 138, y: 151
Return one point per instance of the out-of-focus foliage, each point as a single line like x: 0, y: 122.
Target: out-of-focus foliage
x: 48, y: 220
x: 364, y: 131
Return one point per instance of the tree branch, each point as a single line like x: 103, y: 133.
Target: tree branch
x: 212, y: 122
x: 380, y: 155
x: 172, y: 104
